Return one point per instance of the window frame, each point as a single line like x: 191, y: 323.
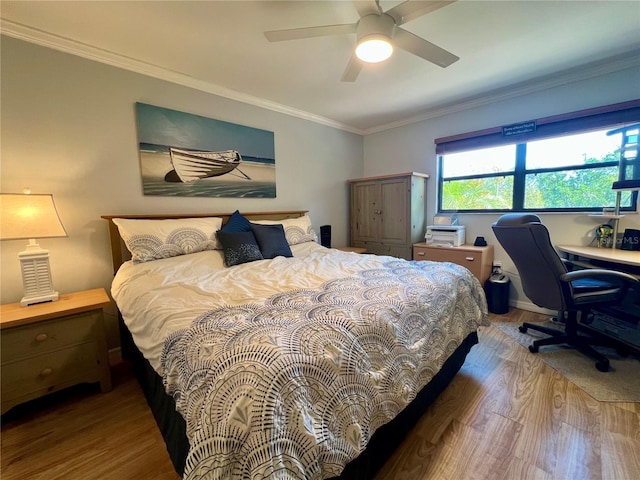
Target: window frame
x: 608, y: 117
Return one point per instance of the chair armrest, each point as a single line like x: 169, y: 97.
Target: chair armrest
x: 570, y: 266
x: 599, y: 273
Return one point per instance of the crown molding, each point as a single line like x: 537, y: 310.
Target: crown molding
x: 614, y: 64
x: 62, y: 44
x: 56, y: 42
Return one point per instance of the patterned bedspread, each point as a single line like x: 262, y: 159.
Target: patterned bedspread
x: 293, y: 388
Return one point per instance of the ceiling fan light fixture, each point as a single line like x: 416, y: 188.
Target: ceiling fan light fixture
x: 374, y: 48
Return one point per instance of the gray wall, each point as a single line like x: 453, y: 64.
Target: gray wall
x: 411, y: 148
x: 68, y: 128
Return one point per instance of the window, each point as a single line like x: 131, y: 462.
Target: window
x: 566, y: 164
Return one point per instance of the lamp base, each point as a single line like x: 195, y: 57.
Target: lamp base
x: 50, y: 297
x: 36, y: 275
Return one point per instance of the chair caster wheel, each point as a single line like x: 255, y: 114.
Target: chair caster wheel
x: 602, y: 366
x: 533, y: 348
x: 522, y: 329
x: 623, y: 352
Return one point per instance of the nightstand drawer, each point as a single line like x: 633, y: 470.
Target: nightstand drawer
x: 47, y: 336
x: 49, y: 371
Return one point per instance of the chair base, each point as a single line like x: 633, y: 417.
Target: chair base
x: 582, y: 343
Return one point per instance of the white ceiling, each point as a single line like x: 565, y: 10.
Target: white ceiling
x: 505, y: 47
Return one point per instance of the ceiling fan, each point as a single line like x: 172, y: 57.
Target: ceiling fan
x: 377, y: 32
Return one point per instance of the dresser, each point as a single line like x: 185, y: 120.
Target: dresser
x: 387, y: 213
x: 54, y: 345
x: 479, y: 260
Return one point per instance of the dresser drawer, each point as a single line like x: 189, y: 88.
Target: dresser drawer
x: 48, y: 336
x: 470, y: 260
x: 478, y: 260
x: 48, y: 372
x: 376, y: 248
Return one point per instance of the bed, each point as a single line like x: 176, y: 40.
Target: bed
x: 265, y: 355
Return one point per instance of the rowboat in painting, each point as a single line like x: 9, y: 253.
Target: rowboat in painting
x: 193, y: 165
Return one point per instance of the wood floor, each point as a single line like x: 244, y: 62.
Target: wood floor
x: 505, y: 416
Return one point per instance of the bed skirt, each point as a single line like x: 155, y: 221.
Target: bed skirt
x: 380, y: 448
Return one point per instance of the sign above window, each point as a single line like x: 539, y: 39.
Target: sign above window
x: 519, y: 128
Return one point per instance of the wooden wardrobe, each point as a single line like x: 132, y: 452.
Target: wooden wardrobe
x: 388, y: 213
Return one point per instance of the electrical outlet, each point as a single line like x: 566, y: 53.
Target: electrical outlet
x: 497, y: 267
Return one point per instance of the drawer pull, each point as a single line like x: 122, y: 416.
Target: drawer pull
x: 46, y: 372
x: 41, y: 337
x: 421, y: 254
x: 471, y: 259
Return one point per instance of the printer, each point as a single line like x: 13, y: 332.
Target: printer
x: 445, y: 235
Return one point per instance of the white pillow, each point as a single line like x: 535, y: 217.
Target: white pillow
x: 155, y: 239
x: 296, y: 230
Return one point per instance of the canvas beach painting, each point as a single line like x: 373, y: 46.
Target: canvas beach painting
x: 182, y: 154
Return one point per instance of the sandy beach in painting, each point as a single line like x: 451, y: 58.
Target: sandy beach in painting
x: 155, y: 165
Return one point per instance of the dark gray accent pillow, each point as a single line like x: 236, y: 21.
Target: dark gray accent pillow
x: 272, y: 240
x: 239, y: 247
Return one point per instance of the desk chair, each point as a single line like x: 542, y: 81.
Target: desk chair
x: 548, y: 283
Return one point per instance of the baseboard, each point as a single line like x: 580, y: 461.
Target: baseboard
x: 531, y: 307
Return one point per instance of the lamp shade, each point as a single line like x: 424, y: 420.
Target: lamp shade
x: 374, y: 49
x: 374, y: 34
x: 28, y: 216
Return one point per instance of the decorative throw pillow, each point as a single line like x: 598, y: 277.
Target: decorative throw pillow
x: 237, y: 223
x: 239, y: 247
x: 271, y: 240
x: 155, y: 239
x: 296, y: 230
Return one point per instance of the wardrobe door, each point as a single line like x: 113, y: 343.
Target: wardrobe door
x: 365, y: 212
x: 395, y: 195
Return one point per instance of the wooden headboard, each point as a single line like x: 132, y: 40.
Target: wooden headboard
x: 119, y: 251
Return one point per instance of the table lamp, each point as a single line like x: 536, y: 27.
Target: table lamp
x: 27, y: 216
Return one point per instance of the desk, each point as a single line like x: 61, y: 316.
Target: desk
x: 594, y: 257
x: 622, y: 321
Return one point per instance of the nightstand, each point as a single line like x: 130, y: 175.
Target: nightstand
x: 479, y: 260
x: 50, y: 346
x: 352, y: 249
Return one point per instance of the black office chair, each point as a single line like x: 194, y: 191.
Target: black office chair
x: 548, y: 283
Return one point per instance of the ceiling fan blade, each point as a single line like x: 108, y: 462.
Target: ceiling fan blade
x: 420, y: 47
x: 367, y: 8
x: 353, y: 69
x: 407, y: 11
x: 309, y: 32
